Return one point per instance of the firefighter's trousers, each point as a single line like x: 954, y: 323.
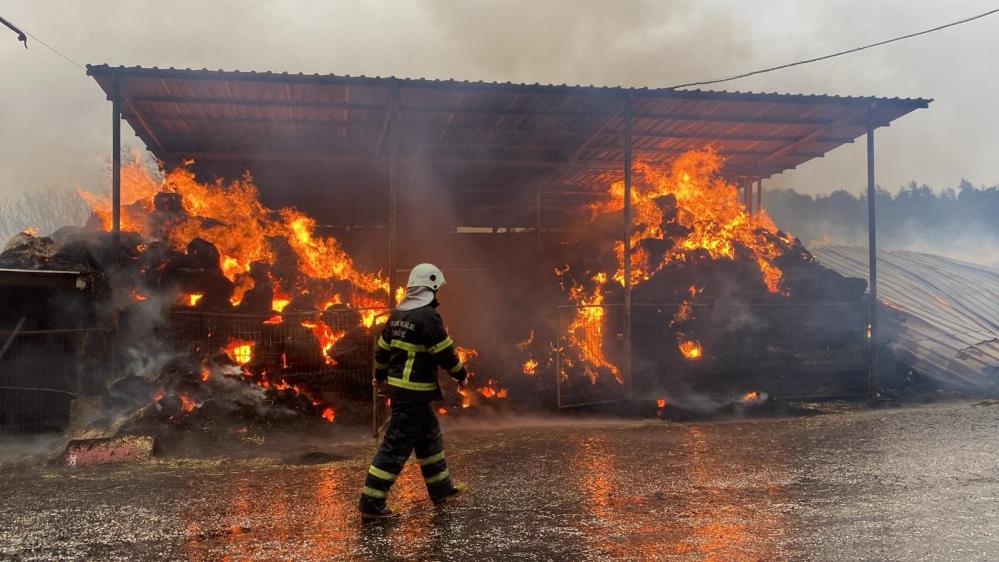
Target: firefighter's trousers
x: 413, y: 426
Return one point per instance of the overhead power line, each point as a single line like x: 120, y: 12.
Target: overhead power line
x: 833, y: 55
x: 22, y: 36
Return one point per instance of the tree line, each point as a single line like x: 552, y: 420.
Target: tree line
x: 960, y: 222
x: 46, y: 210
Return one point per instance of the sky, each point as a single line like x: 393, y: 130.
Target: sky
x: 55, y: 123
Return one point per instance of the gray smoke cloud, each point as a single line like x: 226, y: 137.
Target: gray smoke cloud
x: 56, y: 129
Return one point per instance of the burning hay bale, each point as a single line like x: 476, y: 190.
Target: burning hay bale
x: 226, y: 308
x: 714, y: 288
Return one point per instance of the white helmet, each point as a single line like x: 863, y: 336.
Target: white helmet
x: 426, y: 275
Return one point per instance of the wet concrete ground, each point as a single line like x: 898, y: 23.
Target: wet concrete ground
x: 912, y: 483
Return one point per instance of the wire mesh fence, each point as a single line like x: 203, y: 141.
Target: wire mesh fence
x: 789, y: 350
x: 588, y: 355
x: 332, y: 350
x: 42, y: 371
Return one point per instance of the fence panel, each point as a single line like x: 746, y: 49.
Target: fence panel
x: 789, y: 350
x: 42, y: 371
x: 331, y: 349
x: 588, y: 355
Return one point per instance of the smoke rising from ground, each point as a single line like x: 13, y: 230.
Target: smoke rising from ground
x: 958, y: 223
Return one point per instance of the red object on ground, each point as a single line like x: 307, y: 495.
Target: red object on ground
x: 108, y: 450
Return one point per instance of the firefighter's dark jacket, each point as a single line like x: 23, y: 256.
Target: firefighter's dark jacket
x: 412, y: 345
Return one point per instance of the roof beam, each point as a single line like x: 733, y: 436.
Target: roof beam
x: 176, y: 145
x: 593, y: 135
x: 390, y: 110
x: 811, y: 137
x: 265, y: 155
x: 130, y: 107
x: 679, y: 117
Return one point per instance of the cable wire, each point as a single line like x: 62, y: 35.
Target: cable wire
x: 56, y: 51
x: 833, y: 55
x: 21, y: 37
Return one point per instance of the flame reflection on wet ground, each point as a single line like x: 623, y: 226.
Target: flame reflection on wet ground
x: 869, y: 484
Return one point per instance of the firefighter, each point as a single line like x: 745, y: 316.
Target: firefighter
x: 413, y: 344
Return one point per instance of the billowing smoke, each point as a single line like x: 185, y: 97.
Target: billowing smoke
x: 954, y: 222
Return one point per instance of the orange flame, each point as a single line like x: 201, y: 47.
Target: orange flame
x: 205, y: 374
x: 186, y: 403
x: 241, y: 227
x: 465, y: 353
x: 466, y: 397
x: 661, y: 403
x: 530, y: 367
x: 328, y: 414
x: 441, y: 410
x: 586, y: 331
x: 492, y: 390
x: 240, y: 351
x: 707, y: 206
x: 327, y: 337
x: 191, y: 299
x: 691, y: 349
x: 750, y: 396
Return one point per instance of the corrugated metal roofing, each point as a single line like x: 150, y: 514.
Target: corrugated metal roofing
x: 944, y: 312
x: 249, y: 117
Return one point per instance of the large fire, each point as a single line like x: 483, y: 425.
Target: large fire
x: 276, y: 252
x: 707, y: 221
x: 231, y: 217
x: 707, y: 206
x: 586, y: 331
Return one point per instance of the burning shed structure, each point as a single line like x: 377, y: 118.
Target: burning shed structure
x: 494, y: 181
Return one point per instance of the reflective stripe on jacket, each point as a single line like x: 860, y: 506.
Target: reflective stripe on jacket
x: 411, y: 347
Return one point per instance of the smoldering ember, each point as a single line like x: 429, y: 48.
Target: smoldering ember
x: 655, y: 369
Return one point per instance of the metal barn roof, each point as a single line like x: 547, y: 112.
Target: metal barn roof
x: 943, y: 312
x: 505, y: 154
x: 251, y: 116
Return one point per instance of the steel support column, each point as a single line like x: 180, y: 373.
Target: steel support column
x: 759, y: 193
x: 872, y: 263
x: 391, y: 129
x: 393, y: 132
x: 115, y: 221
x: 115, y: 184
x: 626, y: 333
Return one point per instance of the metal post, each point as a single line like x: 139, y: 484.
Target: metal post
x: 759, y: 194
x: 872, y: 247
x: 558, y: 357
x: 626, y: 363
x: 115, y: 184
x: 115, y: 220
x: 393, y: 186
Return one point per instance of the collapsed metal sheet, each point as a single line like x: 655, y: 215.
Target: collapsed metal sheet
x: 944, y: 312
